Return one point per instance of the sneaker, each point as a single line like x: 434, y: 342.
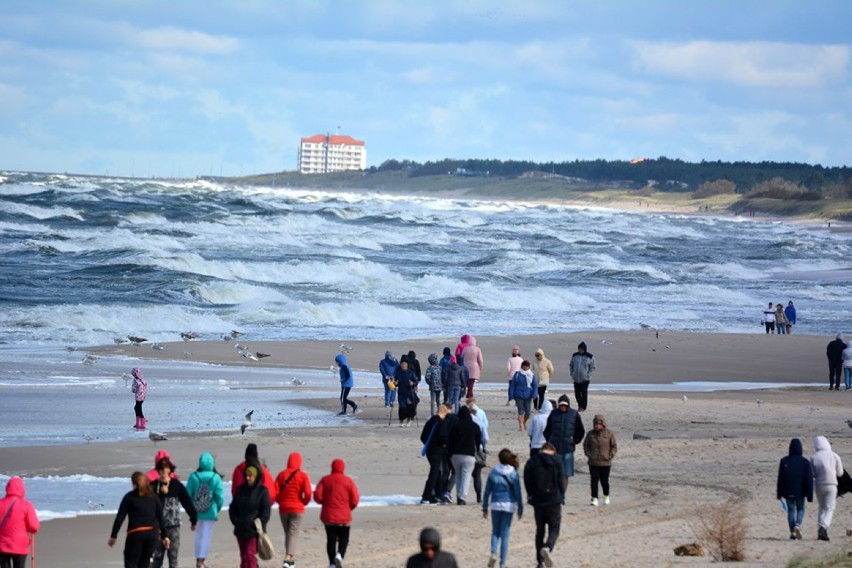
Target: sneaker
x: 606, y: 499
x: 822, y: 534
x: 355, y: 410
x: 342, y: 413
x: 492, y: 561
x: 545, y: 555
x: 425, y: 502
x: 594, y: 501
x: 797, y: 532
x: 338, y: 561
x: 461, y: 501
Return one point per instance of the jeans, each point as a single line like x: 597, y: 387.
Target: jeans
x: 463, y: 465
x: 434, y: 487
x: 13, y: 560
x: 344, y: 400
x: 542, y: 389
x: 795, y: 511
x: 453, y: 395
x: 390, y: 394
x: 501, y: 522
x: 547, y: 518
x: 827, y: 498
x: 781, y: 328
x: 137, y: 408
x: 847, y: 377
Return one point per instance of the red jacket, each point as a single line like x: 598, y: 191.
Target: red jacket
x: 337, y: 494
x: 295, y: 494
x: 21, y: 519
x: 239, y: 477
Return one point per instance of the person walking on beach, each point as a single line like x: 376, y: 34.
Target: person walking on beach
x: 769, y: 318
x: 795, y: 484
x: 205, y: 488
x: 406, y: 386
x: 414, y: 366
x: 522, y: 389
x: 543, y: 480
x: 173, y: 495
x: 18, y: 524
x: 347, y: 381
x: 338, y: 496
x: 543, y: 370
x: 503, y: 494
x: 827, y: 468
x: 847, y: 365
x: 444, y: 363
x: 387, y: 368
x: 434, y: 438
x: 140, y: 392
x: 251, y: 502
x: 431, y: 555
x: 144, y: 513
x: 465, y: 339
x: 436, y: 384
x: 479, y: 462
x: 581, y: 367
x: 790, y: 312
x: 238, y: 477
x: 565, y: 430
x: 513, y: 365
x: 153, y: 473
x: 834, y: 352
x: 456, y: 383
x: 463, y: 439
x: 473, y: 362
x: 780, y: 320
x: 536, y: 425
x: 600, y: 448
x: 294, y: 492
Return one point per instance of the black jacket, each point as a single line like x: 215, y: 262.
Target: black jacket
x: 177, y: 495
x: 795, y: 475
x: 140, y: 512
x: 834, y: 351
x: 544, y: 465
x: 564, y: 430
x: 250, y: 502
x: 438, y: 443
x: 442, y: 559
x: 465, y: 435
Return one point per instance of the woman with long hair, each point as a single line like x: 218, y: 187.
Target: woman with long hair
x: 144, y: 512
x: 503, y: 493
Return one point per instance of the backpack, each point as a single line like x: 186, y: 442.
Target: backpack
x: 203, y: 499
x: 545, y: 479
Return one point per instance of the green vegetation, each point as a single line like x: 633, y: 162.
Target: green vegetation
x: 784, y: 189
x: 832, y: 559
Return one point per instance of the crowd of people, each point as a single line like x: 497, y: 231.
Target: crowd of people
x: 779, y: 319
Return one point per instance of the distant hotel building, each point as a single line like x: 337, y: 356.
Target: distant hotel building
x: 325, y: 153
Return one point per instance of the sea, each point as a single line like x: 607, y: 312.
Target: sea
x: 90, y: 260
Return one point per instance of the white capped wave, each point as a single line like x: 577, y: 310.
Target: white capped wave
x: 20, y: 188
x: 355, y: 314
x: 42, y: 213
x: 237, y: 293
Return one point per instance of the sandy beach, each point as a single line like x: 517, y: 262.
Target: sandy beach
x: 675, y: 456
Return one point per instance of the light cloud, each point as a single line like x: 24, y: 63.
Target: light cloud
x: 174, y: 39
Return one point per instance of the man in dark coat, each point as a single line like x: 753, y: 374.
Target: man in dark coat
x: 434, y: 438
x: 543, y: 480
x: 795, y: 484
x: 565, y: 430
x: 431, y: 555
x: 834, y: 352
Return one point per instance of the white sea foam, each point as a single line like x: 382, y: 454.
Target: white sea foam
x: 42, y: 213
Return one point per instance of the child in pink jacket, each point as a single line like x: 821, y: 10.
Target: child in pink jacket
x: 17, y: 521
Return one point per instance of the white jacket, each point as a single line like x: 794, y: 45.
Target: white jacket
x: 827, y: 465
x: 847, y: 356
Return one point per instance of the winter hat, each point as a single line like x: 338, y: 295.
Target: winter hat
x: 251, y: 452
x: 433, y: 359
x: 253, y: 470
x: 564, y: 400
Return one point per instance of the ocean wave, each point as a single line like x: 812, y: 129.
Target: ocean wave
x: 42, y: 213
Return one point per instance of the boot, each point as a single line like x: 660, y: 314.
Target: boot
x: 143, y: 423
x: 138, y: 425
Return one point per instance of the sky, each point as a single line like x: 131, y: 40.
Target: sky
x: 187, y: 88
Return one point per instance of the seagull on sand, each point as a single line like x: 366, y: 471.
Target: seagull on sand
x: 188, y: 335
x: 119, y: 340
x: 89, y: 438
x: 136, y: 340
x: 93, y: 506
x: 158, y: 346
x: 156, y: 437
x: 235, y: 334
x: 849, y: 423
x: 246, y: 422
x: 684, y: 398
x: 90, y: 360
x: 759, y: 402
x: 295, y: 381
x: 260, y: 355
x: 345, y: 348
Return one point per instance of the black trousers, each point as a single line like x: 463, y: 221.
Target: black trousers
x: 581, y: 393
x: 138, y: 409
x: 13, y: 560
x: 547, y: 519
x: 540, y: 398
x: 434, y: 487
x: 835, y: 371
x: 337, y: 539
x: 344, y: 399
x: 599, y: 474
x: 138, y: 549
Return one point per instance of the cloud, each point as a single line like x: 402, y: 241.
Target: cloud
x: 750, y: 64
x: 175, y: 39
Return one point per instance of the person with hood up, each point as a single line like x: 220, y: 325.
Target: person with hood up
x: 535, y: 427
x: 294, y: 492
x: 473, y: 362
x: 406, y: 386
x: 250, y: 502
x: 795, y: 484
x: 543, y: 369
x: 827, y: 468
x: 581, y: 367
x: 20, y: 521
x: 834, y: 353
x: 173, y: 495
x: 522, y: 388
x: 153, y: 474
x: 434, y: 438
x: 465, y: 339
x: 144, y: 513
x: 463, y: 439
x: 338, y: 496
x: 205, y: 481
x: 431, y: 555
x: 565, y: 430
x: 480, y: 419
x: 790, y: 312
x: 238, y: 477
x: 456, y: 383
x: 600, y: 448
x: 503, y: 493
x: 435, y: 382
x: 347, y: 381
x: 513, y: 365
x: 387, y: 368
x: 414, y: 365
x: 543, y: 475
x: 139, y: 388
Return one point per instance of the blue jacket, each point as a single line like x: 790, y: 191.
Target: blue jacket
x: 503, y: 490
x: 518, y: 387
x: 790, y: 312
x: 346, y: 378
x: 795, y: 474
x: 388, y: 365
x: 206, y: 473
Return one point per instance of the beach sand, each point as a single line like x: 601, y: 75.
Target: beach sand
x: 675, y: 456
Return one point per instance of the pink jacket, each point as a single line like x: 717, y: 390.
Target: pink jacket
x: 21, y: 519
x: 473, y: 359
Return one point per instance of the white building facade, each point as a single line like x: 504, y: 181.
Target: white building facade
x: 325, y: 153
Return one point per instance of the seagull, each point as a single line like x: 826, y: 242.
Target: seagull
x: 644, y: 325
x: 345, y: 348
x: 331, y: 368
x: 187, y: 354
x: 136, y: 339
x: 260, y: 355
x: 606, y: 342
x: 227, y: 337
x: 849, y: 423
x: 127, y: 377
x: 119, y: 340
x: 158, y: 346
x: 90, y: 360
x: 156, y: 437
x: 248, y: 355
x: 296, y: 381
x: 239, y: 346
x: 246, y: 422
x: 188, y: 335
x: 89, y: 438
x: 759, y: 402
x: 93, y: 506
x: 684, y: 398
x: 235, y: 334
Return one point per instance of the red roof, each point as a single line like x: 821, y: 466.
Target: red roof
x: 333, y: 139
